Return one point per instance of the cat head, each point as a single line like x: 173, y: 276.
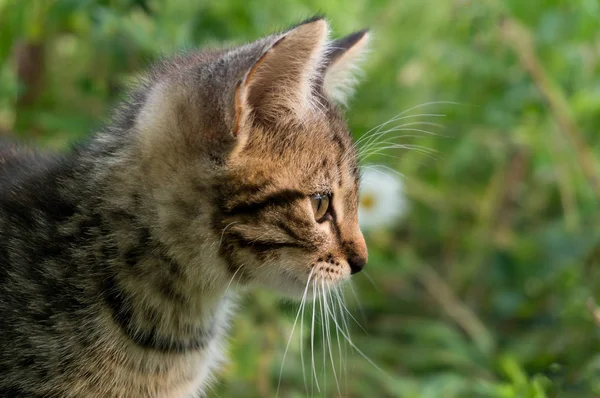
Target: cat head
x: 247, y: 156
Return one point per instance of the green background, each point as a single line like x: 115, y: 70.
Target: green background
x: 488, y: 286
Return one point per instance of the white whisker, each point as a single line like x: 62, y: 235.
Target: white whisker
x: 376, y: 140
x: 225, y: 229
x: 231, y: 280
x: 357, y: 349
x: 337, y: 334
x: 400, y: 117
x: 380, y: 138
x: 375, y: 167
x: 362, y: 313
x: 387, y: 155
x: 303, y: 305
x: 312, y: 342
x: 328, y: 333
x: 371, y: 280
x: 344, y: 309
x: 378, y: 150
x: 340, y: 300
x: 323, y: 341
x: 292, y: 332
x: 370, y: 136
x: 379, y: 135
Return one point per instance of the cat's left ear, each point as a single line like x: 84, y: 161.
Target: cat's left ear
x: 343, y: 61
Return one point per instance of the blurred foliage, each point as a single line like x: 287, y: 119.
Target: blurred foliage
x: 489, y: 286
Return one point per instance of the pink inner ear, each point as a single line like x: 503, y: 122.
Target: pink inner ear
x: 279, y: 83
x: 241, y: 93
x: 251, y: 97
x: 238, y: 109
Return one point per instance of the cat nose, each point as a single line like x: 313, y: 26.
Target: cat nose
x: 357, y: 263
x: 356, y: 253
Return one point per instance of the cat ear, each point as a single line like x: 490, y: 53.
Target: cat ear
x: 343, y: 60
x: 282, y: 80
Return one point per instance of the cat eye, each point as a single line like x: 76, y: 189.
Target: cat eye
x: 320, y: 204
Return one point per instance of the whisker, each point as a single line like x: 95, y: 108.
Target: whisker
x: 393, y: 144
x: 225, y: 229
x: 387, y: 155
x: 381, y: 139
x: 339, y: 294
x: 371, y: 280
x: 375, y: 145
x: 231, y: 280
x: 357, y: 349
x: 362, y: 313
x: 292, y: 332
x: 377, y: 139
x: 323, y: 341
x: 382, y: 153
x: 303, y: 305
x: 400, y: 116
x: 375, y: 167
x: 312, y: 341
x: 328, y: 332
x: 372, y: 138
x: 345, y: 309
x: 395, y: 119
x: 378, y: 135
x: 378, y: 150
x: 332, y: 301
x: 369, y: 136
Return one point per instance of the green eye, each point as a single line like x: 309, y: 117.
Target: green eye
x: 320, y: 205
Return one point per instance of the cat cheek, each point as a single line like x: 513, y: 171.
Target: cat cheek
x: 324, y: 228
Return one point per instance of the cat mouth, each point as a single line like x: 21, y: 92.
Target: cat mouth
x: 324, y: 276
x: 295, y: 282
x: 316, y: 283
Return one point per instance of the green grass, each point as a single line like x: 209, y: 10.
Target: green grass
x: 487, y: 288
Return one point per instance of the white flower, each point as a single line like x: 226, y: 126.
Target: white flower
x: 382, y: 200
x: 411, y: 73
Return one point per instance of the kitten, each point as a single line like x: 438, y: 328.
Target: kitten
x: 116, y: 258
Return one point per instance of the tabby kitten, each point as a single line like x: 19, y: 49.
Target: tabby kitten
x: 116, y: 258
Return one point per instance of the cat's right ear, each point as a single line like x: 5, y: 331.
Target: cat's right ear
x: 343, y: 60
x: 280, y: 84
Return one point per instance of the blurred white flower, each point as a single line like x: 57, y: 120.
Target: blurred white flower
x: 382, y: 200
x: 411, y: 73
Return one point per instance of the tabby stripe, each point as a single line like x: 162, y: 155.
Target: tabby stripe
x: 276, y: 199
x: 335, y: 226
x: 262, y: 244
x: 227, y: 251
x: 19, y: 392
x: 294, y: 234
x: 342, y: 146
x: 122, y: 314
x: 244, y: 190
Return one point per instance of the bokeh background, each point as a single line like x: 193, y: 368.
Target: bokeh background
x: 487, y: 286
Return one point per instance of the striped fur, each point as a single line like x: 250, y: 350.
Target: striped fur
x: 116, y: 257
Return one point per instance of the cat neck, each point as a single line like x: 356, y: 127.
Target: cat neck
x: 163, y: 293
